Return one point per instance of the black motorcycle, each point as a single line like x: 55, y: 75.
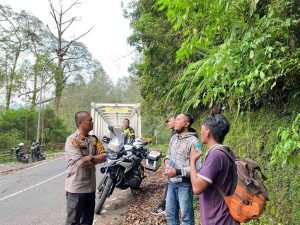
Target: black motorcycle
x: 123, y: 168
x: 20, y: 154
x: 36, y: 152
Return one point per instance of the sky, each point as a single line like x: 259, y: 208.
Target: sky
x: 107, y: 41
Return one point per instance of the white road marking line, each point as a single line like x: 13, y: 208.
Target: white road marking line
x: 26, y: 189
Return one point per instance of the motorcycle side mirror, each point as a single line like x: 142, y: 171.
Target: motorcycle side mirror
x: 106, y: 139
x: 146, y: 143
x: 111, y: 129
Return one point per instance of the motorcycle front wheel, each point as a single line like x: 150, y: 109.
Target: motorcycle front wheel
x: 104, y: 191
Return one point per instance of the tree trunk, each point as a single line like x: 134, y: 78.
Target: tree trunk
x: 33, y: 100
x: 8, y: 96
x: 11, y: 78
x: 59, y: 85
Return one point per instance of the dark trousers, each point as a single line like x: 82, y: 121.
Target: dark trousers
x: 80, y: 208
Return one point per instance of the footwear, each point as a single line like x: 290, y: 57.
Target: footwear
x: 159, y: 211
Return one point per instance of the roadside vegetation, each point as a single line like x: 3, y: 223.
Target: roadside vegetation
x: 240, y: 58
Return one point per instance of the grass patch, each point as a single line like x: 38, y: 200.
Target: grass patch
x: 7, y: 159
x: 12, y: 158
x: 196, y: 209
x: 51, y: 152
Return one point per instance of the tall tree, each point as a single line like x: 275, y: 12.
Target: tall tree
x: 41, y: 47
x: 63, y: 47
x: 157, y: 43
x: 14, y: 41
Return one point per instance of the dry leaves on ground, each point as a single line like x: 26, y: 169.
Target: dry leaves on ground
x: 148, y: 197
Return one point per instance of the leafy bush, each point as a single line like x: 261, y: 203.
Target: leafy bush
x: 255, y: 135
x: 21, y: 126
x: 55, y: 130
x: 236, y: 52
x: 288, y: 148
x: 9, y: 139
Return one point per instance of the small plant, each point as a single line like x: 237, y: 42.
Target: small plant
x: 288, y: 148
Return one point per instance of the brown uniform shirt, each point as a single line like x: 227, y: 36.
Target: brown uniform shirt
x: 81, y: 180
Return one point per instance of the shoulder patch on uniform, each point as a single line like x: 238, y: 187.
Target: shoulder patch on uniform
x: 75, y: 142
x: 95, y: 137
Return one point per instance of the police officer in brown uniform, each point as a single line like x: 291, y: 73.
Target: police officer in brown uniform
x: 83, y: 152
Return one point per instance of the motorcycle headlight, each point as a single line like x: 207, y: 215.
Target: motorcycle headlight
x: 115, y: 145
x: 114, y: 148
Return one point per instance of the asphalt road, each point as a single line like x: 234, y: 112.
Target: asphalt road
x: 35, y: 196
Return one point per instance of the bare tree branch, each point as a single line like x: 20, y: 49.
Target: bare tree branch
x: 124, y: 56
x: 66, y: 48
x: 75, y: 3
x: 51, y: 32
x: 39, y: 89
x: 53, y: 14
x: 73, y: 58
x: 66, y: 78
x: 47, y: 100
x: 71, y: 21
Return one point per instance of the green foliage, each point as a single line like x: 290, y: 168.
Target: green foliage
x: 236, y: 52
x: 157, y: 69
x: 55, y: 130
x: 241, y: 54
x: 8, y: 139
x: 22, y: 121
x: 254, y: 135
x: 288, y: 148
x: 20, y: 126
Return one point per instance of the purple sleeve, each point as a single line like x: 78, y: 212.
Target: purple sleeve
x: 211, y: 167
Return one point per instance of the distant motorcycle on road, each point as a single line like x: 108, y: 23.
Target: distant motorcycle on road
x: 36, y: 152
x: 20, y: 154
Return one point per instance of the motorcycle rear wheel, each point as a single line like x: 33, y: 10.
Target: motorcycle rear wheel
x: 107, y: 185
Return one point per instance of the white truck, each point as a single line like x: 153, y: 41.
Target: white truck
x: 105, y: 114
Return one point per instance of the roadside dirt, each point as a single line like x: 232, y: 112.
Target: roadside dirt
x: 126, y: 208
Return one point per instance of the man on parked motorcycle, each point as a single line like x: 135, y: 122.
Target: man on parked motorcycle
x: 83, y: 152
x: 128, y: 131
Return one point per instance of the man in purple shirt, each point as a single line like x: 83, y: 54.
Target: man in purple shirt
x: 216, y: 171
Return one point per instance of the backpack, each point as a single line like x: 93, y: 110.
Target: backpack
x: 248, y: 196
